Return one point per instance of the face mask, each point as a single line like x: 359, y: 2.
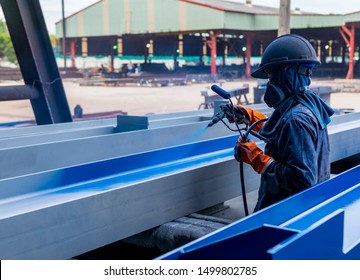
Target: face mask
x: 273, y: 95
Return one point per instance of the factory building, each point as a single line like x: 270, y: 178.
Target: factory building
x: 212, y: 36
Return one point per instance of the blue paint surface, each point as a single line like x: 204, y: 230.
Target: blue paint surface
x: 318, y: 223
x: 71, y: 183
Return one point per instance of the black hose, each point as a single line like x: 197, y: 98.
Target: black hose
x: 242, y: 180
x: 243, y: 190
x: 250, y: 130
x: 225, y: 95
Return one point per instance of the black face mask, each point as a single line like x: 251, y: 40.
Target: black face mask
x: 273, y: 95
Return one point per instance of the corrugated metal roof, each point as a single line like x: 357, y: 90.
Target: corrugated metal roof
x: 226, y: 5
x: 234, y: 7
x: 113, y: 17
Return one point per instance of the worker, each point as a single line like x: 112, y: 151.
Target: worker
x: 296, y: 154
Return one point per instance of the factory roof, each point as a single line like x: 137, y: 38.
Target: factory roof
x: 114, y: 17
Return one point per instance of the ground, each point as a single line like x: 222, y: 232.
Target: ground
x: 148, y: 100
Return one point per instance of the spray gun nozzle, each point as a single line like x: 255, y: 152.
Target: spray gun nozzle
x: 218, y: 117
x: 223, y: 93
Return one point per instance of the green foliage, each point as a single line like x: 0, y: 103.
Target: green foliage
x: 53, y: 40
x: 7, y: 51
x: 6, y: 48
x: 3, y: 27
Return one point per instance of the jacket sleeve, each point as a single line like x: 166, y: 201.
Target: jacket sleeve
x: 295, y: 163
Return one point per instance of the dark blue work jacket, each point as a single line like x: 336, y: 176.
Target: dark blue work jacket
x: 301, y: 153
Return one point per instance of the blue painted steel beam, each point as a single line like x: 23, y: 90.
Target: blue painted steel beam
x: 36, y: 147
x: 131, y: 182
x: 80, y: 208
x: 318, y: 223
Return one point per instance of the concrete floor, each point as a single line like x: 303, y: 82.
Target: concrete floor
x: 154, y: 100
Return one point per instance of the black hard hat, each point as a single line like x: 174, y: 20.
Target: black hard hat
x: 288, y: 48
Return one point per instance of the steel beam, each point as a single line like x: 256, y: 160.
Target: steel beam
x: 122, y: 187
x: 80, y: 208
x: 319, y: 223
x: 35, y: 152
x: 18, y: 93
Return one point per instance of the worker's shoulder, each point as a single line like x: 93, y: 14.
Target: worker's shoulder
x: 300, y: 113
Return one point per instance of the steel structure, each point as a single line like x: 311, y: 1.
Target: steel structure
x: 317, y: 224
x: 43, y: 84
x: 66, y: 198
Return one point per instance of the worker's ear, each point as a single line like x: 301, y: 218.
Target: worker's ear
x: 273, y: 95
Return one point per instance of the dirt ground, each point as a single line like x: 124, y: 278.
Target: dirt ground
x: 154, y: 100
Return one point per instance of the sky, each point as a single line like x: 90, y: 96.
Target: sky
x: 52, y: 8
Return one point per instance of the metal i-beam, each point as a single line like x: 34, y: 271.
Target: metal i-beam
x: 38, y: 154
x: 80, y: 208
x: 319, y: 223
x: 102, y: 201
x: 36, y: 59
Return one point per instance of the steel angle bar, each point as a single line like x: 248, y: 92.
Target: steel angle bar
x: 205, y: 112
x: 54, y: 128
x: 345, y: 118
x: 179, y: 121
x: 117, y: 198
x: 344, y: 139
x: 54, y: 137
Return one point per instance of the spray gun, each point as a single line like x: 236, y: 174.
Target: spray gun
x: 225, y: 111
x: 236, y: 117
x: 229, y: 112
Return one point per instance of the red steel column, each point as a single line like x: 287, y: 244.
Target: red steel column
x: 212, y: 45
x: 249, y: 38
x: 72, y: 53
x: 351, y: 42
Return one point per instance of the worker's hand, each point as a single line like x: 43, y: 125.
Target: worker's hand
x: 246, y: 115
x: 235, y: 114
x: 249, y: 152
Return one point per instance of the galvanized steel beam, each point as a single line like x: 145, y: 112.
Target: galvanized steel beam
x: 319, y: 223
x: 77, y: 209
x: 122, y: 187
x: 35, y: 152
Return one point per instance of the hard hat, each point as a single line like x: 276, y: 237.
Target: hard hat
x: 288, y: 48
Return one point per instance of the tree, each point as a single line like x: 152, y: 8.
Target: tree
x: 6, y: 47
x: 3, y: 27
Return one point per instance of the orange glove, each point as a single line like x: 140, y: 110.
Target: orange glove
x: 250, y: 115
x: 249, y: 152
